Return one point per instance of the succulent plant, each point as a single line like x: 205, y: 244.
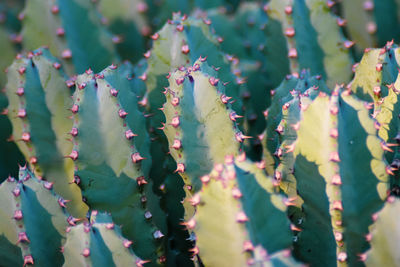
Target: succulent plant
x: 33, y: 224
x: 228, y: 225
x: 371, y: 23
x: 249, y: 34
x: 234, y: 133
x: 314, y: 38
x: 98, y: 243
x: 384, y: 236
x: 127, y: 21
x: 326, y: 161
x: 112, y: 157
x: 72, y: 30
x: 199, y: 126
x: 38, y: 101
x: 9, y: 154
x: 291, y: 86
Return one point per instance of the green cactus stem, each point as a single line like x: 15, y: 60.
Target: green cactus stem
x: 384, y: 237
x: 292, y: 85
x: 200, y: 126
x: 33, y: 222
x: 72, y: 30
x: 128, y: 22
x: 229, y: 225
x: 377, y: 70
x: 38, y: 102
x: 314, y: 39
x: 10, y: 155
x: 371, y: 23
x: 98, y: 243
x: 336, y: 139
x: 181, y: 42
x: 112, y: 157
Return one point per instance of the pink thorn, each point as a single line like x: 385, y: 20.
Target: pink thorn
x: 28, y: 259
x: 241, y: 217
x: 127, y: 243
x: 73, y: 155
x: 175, y: 121
x: 122, y: 113
x: 147, y: 54
x: 20, y: 91
x: 66, y: 54
x: 141, y: 180
x: 195, y: 200
x: 18, y: 215
x: 180, y: 167
x: 86, y: 252
x: 177, y: 144
x: 129, y: 134
x: 21, y: 113
x: 136, y: 158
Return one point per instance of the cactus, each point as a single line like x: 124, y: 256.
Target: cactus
x: 376, y: 79
x: 292, y: 112
x: 33, y: 222
x: 384, y: 237
x: 257, y: 40
x: 314, y: 38
x: 228, y: 224
x: 38, y: 102
x: 181, y: 42
x: 163, y: 160
x: 200, y: 125
x: 10, y: 155
x: 371, y: 23
x: 98, y: 243
x: 9, y: 38
x: 127, y: 22
x: 160, y: 10
x: 376, y: 71
x: 72, y: 30
x: 179, y: 241
x: 7, y: 47
x: 329, y: 158
x: 112, y: 157
x: 291, y: 85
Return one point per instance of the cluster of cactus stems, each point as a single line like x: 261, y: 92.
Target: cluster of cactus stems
x: 199, y: 133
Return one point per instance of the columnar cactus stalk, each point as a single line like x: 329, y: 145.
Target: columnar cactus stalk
x: 112, y: 157
x: 72, y: 30
x: 371, y: 23
x: 250, y: 34
x: 181, y: 42
x: 336, y: 139
x: 33, y: 222
x: 10, y: 155
x: 377, y: 70
x: 98, y: 243
x: 38, y: 102
x: 314, y: 38
x: 257, y: 40
x: 160, y: 11
x: 127, y: 21
x: 229, y: 225
x: 8, y: 50
x: 376, y: 79
x: 200, y: 126
x: 385, y: 236
x: 292, y: 112
x: 179, y: 240
x: 291, y: 86
x: 9, y: 37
